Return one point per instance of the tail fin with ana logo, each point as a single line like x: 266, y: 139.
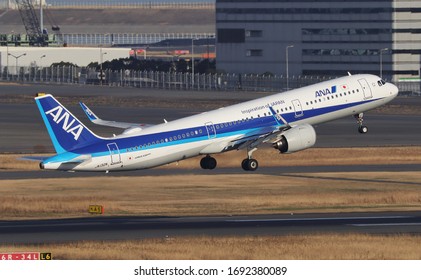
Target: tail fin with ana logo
x: 66, y: 131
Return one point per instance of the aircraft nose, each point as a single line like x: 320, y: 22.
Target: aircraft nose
x: 393, y: 90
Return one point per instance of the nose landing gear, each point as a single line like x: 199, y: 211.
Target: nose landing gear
x: 361, y: 128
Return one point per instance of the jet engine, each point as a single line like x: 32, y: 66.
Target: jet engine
x: 296, y: 139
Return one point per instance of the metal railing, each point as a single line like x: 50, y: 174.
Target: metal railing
x: 129, y: 38
x: 169, y: 80
x: 120, y: 4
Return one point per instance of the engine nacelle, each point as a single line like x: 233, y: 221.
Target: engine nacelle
x: 296, y: 139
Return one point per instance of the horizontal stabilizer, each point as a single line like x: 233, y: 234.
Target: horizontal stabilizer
x: 33, y: 158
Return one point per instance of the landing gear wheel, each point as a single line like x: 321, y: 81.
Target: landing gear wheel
x: 208, y: 162
x: 363, y: 129
x: 250, y: 164
x: 244, y: 164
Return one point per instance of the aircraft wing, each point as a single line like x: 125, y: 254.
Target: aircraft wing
x: 94, y: 118
x: 261, y: 138
x: 267, y: 134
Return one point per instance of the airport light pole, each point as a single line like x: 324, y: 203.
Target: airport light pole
x: 381, y: 61
x: 7, y: 59
x: 287, y: 66
x: 7, y: 54
x: 40, y: 71
x: 192, y: 60
x: 17, y: 58
x: 101, y: 57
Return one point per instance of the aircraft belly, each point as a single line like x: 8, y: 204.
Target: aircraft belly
x: 160, y: 156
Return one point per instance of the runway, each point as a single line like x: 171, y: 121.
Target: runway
x: 134, y: 228
x: 276, y: 171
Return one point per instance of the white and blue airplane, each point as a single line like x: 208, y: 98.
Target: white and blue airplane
x: 284, y: 121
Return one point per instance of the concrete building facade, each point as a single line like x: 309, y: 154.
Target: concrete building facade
x: 319, y: 37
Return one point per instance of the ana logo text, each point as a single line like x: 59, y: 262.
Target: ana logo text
x: 60, y: 115
x: 323, y: 92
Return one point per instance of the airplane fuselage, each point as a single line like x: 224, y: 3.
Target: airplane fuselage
x: 226, y: 128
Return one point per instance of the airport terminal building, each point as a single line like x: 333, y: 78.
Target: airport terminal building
x: 319, y: 37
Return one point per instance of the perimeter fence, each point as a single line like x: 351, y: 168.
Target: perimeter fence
x: 170, y: 80
x: 118, y: 4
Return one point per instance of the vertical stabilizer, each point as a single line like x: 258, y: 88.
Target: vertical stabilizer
x: 65, y: 130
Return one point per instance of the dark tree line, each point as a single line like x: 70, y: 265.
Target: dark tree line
x: 202, y: 66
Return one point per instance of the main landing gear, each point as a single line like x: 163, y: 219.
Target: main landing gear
x: 250, y: 164
x: 361, y: 128
x: 208, y: 162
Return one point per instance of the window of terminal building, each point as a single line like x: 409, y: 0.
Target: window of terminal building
x: 254, y: 52
x: 254, y: 33
x: 231, y: 35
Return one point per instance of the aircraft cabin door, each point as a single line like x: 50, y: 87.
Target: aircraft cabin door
x: 211, y: 130
x: 114, y: 153
x: 366, y: 88
x: 297, y: 107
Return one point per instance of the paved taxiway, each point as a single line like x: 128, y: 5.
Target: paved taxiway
x: 124, y: 228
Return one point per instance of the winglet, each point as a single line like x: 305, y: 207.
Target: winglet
x: 91, y: 116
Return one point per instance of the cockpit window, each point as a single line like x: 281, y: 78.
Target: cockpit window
x: 381, y: 82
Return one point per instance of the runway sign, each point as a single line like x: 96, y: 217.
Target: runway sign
x: 25, y: 256
x: 96, y: 209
